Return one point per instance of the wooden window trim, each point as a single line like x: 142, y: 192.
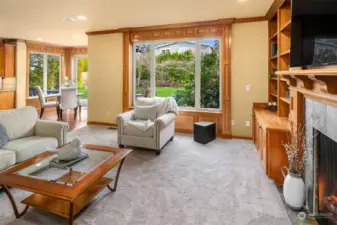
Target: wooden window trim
x: 222, y: 30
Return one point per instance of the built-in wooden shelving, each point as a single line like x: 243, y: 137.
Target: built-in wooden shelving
x: 279, y: 37
x: 285, y: 53
x: 286, y: 27
x: 312, y: 72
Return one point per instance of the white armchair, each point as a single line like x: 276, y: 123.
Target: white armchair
x: 154, y: 138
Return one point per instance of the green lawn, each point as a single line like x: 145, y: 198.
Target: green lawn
x: 84, y: 91
x: 160, y: 92
x: 166, y: 91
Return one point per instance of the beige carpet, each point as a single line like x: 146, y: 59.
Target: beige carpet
x: 189, y: 183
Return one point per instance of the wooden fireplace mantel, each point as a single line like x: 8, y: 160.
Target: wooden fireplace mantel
x: 318, y: 84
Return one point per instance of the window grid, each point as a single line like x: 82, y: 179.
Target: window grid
x: 197, y: 72
x: 45, y: 72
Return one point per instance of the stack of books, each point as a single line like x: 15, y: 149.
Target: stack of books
x: 63, y: 164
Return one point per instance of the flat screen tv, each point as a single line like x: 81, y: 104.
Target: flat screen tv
x: 313, y: 33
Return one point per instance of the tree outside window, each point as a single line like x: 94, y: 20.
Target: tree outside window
x: 176, y: 66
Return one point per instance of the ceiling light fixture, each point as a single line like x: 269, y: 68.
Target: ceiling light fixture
x: 82, y: 18
x: 39, y: 39
x: 69, y: 19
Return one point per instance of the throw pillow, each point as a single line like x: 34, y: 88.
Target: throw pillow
x: 145, y: 112
x: 142, y: 101
x: 3, y: 136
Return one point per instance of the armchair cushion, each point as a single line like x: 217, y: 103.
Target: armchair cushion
x: 134, y: 131
x: 19, y: 123
x: 28, y: 147
x: 58, y: 130
x: 165, y: 120
x: 145, y: 112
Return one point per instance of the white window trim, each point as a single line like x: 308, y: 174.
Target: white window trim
x: 197, y: 107
x: 74, y: 68
x: 45, y: 73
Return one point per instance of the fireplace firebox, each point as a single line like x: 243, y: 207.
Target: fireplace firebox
x: 325, y: 150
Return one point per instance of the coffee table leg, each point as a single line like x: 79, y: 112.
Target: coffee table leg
x: 117, y: 176
x: 15, y: 208
x: 71, y: 208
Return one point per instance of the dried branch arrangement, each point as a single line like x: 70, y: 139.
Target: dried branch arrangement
x: 297, y: 150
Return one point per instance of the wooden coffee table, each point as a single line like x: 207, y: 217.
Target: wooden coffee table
x: 59, y: 191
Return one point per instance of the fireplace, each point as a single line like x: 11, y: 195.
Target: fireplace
x: 325, y: 161
x: 321, y: 167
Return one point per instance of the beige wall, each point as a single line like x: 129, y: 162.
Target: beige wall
x: 105, y: 81
x: 21, y: 73
x: 249, y: 67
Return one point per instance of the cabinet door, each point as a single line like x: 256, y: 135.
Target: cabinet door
x: 2, y: 61
x: 261, y: 142
x: 9, y: 61
x: 264, y: 151
x: 7, y: 100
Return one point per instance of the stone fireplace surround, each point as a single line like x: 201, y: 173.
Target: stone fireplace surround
x: 323, y: 118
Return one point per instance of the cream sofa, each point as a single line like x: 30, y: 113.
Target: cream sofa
x: 28, y: 136
x: 155, y: 137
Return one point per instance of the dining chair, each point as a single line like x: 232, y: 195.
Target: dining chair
x: 68, y: 100
x: 43, y: 102
x: 82, y: 103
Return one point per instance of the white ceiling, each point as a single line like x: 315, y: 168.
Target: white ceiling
x: 33, y: 19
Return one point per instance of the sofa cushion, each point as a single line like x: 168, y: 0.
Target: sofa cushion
x: 134, y: 131
x: 7, y: 158
x: 28, y: 147
x: 3, y: 135
x: 19, y: 123
x: 145, y: 112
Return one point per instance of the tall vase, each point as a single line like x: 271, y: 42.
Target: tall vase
x: 293, y: 189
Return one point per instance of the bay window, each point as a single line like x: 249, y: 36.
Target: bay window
x: 44, y: 71
x: 187, y: 70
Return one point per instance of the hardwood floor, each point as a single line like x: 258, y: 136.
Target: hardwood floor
x: 68, y: 116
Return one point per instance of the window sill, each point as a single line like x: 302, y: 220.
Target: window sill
x: 200, y: 110
x: 215, y: 111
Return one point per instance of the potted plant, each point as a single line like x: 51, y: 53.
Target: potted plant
x: 297, y: 151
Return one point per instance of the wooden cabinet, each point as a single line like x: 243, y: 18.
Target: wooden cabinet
x: 7, y: 100
x: 269, y: 134
x: 7, y: 60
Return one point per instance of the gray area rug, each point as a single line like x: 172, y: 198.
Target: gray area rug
x: 189, y: 183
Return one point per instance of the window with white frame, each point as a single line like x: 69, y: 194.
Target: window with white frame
x: 187, y: 70
x: 44, y: 71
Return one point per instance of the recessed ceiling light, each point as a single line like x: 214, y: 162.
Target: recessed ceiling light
x: 69, y: 19
x: 82, y: 18
x: 242, y: 0
x: 39, y: 39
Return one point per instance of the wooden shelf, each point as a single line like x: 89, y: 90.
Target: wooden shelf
x: 313, y: 72
x: 273, y: 36
x: 286, y: 27
x: 61, y: 207
x: 285, y: 53
x: 280, y: 34
x: 285, y: 100
x: 274, y: 79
